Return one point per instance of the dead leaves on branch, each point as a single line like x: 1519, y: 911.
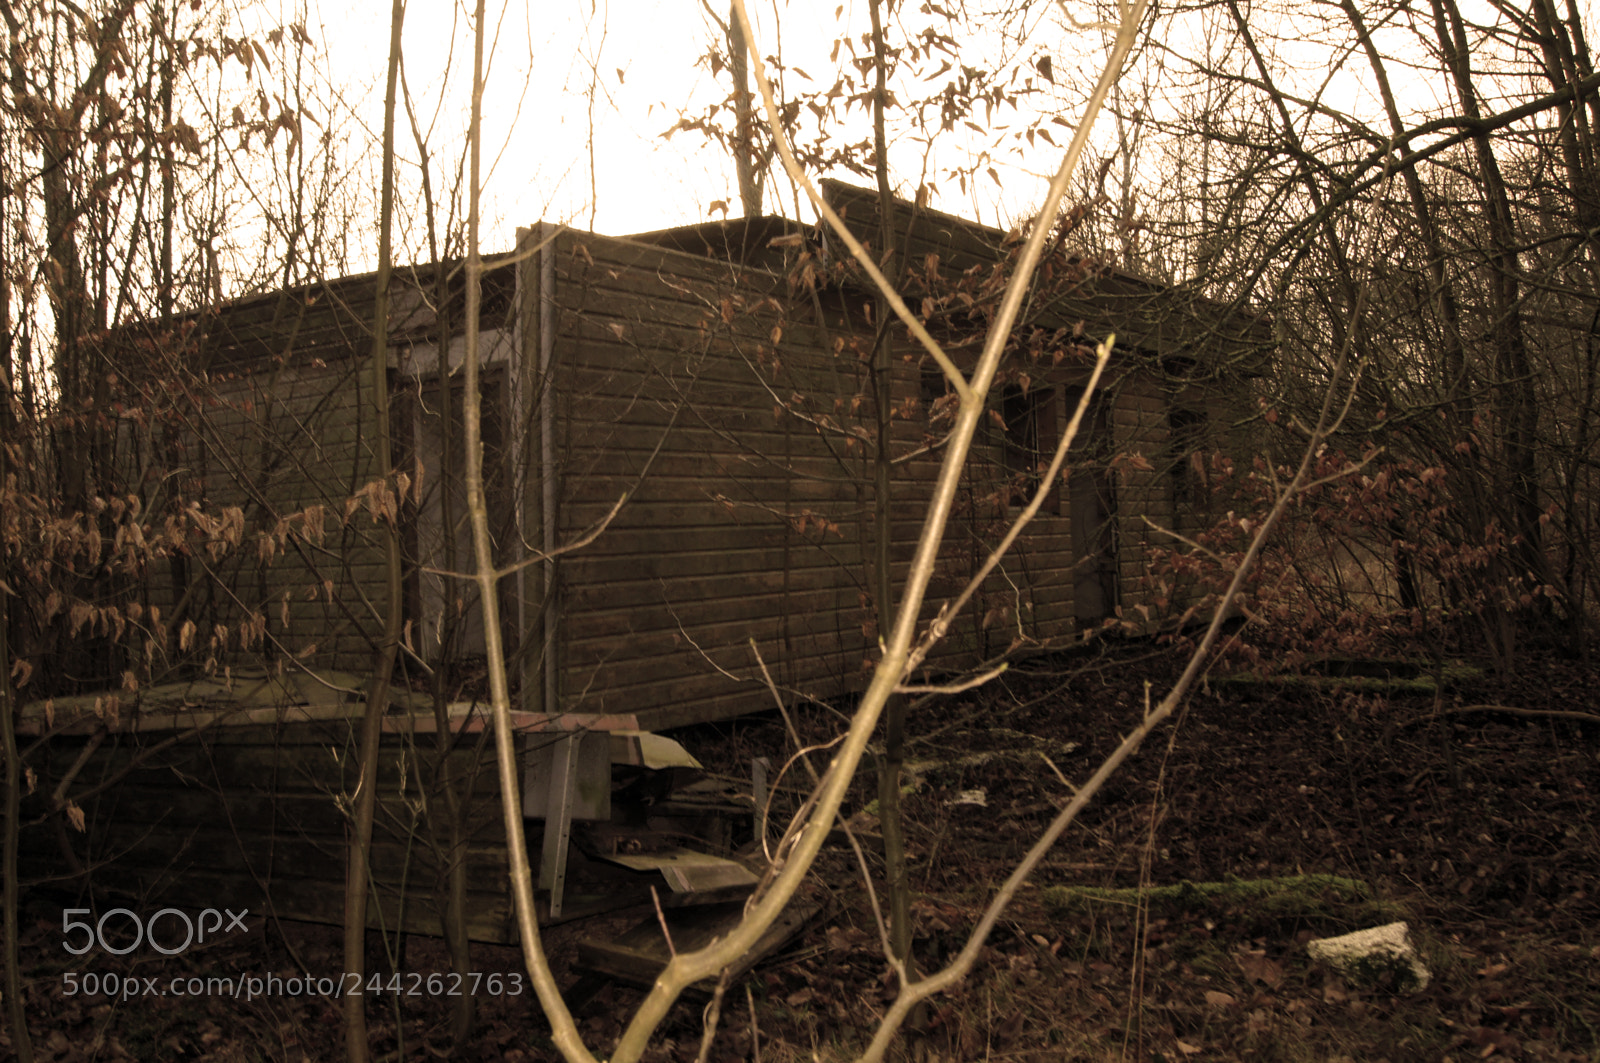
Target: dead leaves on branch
x: 381, y: 500
x: 77, y: 574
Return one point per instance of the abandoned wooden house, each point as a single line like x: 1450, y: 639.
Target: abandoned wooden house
x: 716, y: 381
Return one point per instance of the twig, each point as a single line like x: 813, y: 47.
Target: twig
x: 1511, y: 710
x: 58, y: 798
x: 755, y: 1031
x: 1185, y: 540
x: 711, y: 1017
x: 661, y: 918
x: 941, y: 624
x: 952, y: 688
x: 1064, y: 781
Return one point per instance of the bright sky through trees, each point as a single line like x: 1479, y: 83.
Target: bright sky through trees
x: 610, y: 78
x: 621, y: 72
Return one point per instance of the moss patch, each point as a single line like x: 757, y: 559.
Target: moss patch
x: 1322, y: 898
x: 1400, y: 676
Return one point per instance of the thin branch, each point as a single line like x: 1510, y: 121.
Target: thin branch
x: 953, y: 688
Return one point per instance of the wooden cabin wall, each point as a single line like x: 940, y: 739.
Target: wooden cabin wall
x: 1207, y: 420
x: 267, y: 424
x: 745, y: 527
x: 1144, y: 487
x: 755, y: 518
x: 255, y: 817
x: 1036, y: 596
x: 271, y: 458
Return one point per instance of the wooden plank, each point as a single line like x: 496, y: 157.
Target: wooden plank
x: 638, y: 956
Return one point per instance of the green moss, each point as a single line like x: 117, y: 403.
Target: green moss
x: 1322, y: 897
x: 1388, y: 676
x: 1383, y: 969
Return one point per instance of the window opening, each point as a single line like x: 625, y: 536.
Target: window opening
x: 1185, y: 433
x: 1031, y: 435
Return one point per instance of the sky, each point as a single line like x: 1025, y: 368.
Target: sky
x: 581, y: 92
x: 611, y: 76
x: 618, y: 73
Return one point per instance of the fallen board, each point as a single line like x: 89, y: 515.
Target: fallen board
x: 638, y: 956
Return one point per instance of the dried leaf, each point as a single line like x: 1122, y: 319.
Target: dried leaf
x: 1218, y: 999
x: 75, y: 817
x: 1258, y: 967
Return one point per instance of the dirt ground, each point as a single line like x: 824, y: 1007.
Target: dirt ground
x: 1322, y: 806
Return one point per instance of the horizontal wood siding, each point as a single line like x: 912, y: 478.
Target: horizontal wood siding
x: 1144, y: 490
x: 255, y: 817
x: 733, y: 411
x: 754, y: 522
x: 289, y: 448
x: 744, y: 529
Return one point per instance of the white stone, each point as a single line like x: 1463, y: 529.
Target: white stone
x: 1366, y: 955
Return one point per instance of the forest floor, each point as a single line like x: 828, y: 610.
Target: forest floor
x: 1321, y: 806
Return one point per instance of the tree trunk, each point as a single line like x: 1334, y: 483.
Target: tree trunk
x: 357, y: 875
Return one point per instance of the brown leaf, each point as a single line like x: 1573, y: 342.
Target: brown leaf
x: 1257, y: 967
x: 1218, y: 999
x: 75, y: 816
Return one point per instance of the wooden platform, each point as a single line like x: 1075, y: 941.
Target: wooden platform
x: 235, y: 791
